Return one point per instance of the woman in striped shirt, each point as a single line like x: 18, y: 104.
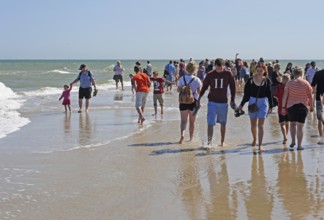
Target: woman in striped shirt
x: 297, y: 96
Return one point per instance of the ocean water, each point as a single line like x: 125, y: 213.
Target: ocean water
x: 32, y: 87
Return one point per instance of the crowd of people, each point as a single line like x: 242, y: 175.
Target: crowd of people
x: 264, y: 87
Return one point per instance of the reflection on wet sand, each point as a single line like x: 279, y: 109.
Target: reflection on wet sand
x: 259, y: 202
x: 85, y: 129
x: 292, y: 185
x: 189, y: 187
x: 67, y: 123
x: 223, y: 202
x: 118, y: 96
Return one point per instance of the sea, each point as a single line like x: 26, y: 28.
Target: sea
x: 31, y: 88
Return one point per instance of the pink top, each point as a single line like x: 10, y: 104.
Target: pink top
x: 298, y: 91
x: 65, y: 95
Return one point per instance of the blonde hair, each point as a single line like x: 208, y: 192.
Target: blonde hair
x: 298, y: 71
x: 286, y: 77
x: 191, y: 67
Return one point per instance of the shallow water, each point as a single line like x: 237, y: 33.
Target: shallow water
x: 103, y: 165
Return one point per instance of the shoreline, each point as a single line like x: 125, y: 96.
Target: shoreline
x: 148, y: 175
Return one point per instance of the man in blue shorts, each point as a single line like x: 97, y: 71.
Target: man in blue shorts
x: 218, y: 80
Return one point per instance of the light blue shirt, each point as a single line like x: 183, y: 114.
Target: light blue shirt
x: 170, y: 68
x: 86, y: 79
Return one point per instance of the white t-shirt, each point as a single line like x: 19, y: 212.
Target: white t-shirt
x: 311, y: 73
x: 194, y: 85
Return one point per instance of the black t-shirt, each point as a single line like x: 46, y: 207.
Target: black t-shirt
x: 318, y: 81
x: 274, y: 80
x: 252, y: 90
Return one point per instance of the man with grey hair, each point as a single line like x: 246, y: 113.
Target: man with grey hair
x: 118, y: 74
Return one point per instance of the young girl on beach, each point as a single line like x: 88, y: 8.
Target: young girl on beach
x: 66, y: 97
x: 283, y: 118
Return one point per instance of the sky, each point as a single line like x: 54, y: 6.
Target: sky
x: 166, y: 29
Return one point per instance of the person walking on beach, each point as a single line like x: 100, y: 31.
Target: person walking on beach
x: 257, y: 91
x: 218, y: 81
x: 66, y: 97
x: 182, y: 68
x: 158, y: 83
x: 86, y: 81
x: 318, y: 86
x: 187, y: 110
x: 201, y: 74
x: 169, y: 74
x: 149, y: 68
x: 275, y: 78
x: 278, y: 94
x: 311, y: 72
x: 118, y: 74
x: 297, y: 96
x: 142, y: 88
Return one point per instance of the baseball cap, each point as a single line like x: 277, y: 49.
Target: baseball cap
x: 82, y: 66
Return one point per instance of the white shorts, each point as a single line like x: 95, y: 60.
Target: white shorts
x: 141, y: 99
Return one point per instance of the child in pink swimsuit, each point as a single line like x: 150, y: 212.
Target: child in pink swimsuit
x: 66, y: 97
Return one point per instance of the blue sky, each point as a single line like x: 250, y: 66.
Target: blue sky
x: 143, y: 29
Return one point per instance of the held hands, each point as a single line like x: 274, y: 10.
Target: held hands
x: 311, y: 108
x: 283, y: 111
x: 270, y: 111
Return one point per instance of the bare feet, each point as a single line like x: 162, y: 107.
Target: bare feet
x: 181, y: 139
x: 300, y: 148
x: 154, y: 114
x: 261, y: 149
x: 142, y: 120
x: 292, y: 145
x: 284, y: 141
x: 79, y: 111
x: 253, y: 143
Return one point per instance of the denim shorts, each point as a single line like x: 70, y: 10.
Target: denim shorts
x: 263, y: 106
x: 217, y: 113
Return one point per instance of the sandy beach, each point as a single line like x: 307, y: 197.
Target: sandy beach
x: 147, y: 175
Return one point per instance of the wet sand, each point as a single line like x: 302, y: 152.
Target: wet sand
x: 149, y: 176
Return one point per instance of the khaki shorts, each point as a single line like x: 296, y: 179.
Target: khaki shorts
x: 157, y: 97
x: 141, y: 99
x: 319, y: 110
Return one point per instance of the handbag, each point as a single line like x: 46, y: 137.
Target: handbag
x: 253, y: 107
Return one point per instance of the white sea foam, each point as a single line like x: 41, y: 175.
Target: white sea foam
x: 46, y: 91
x: 60, y: 71
x: 10, y: 118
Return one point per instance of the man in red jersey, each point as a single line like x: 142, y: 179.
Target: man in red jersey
x: 218, y: 80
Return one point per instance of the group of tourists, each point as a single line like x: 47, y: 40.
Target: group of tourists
x: 264, y: 88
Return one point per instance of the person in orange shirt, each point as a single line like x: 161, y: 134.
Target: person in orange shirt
x: 142, y: 88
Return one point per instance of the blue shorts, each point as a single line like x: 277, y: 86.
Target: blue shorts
x: 263, y: 106
x: 217, y: 113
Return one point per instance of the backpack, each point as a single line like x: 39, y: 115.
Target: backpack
x: 186, y: 95
x: 89, y: 74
